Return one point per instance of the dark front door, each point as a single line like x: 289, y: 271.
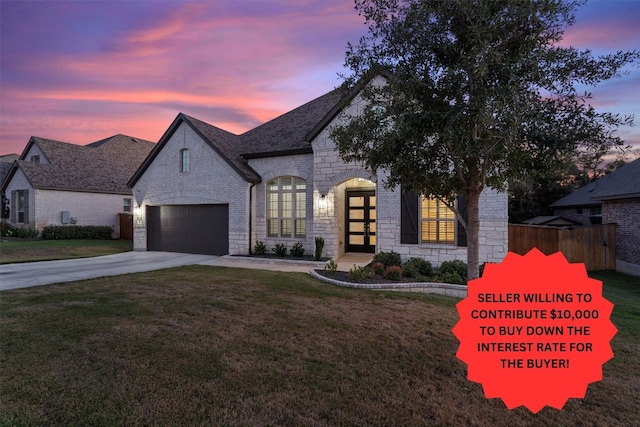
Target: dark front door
x: 361, y: 221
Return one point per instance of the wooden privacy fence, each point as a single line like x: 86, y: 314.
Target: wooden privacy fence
x: 593, y: 245
x: 126, y: 226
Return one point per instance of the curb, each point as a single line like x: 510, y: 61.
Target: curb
x: 448, y: 289
x: 273, y: 261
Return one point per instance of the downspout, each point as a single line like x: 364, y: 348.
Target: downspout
x: 251, y: 215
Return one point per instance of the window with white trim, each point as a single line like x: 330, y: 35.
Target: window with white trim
x: 126, y: 205
x: 21, y: 202
x: 287, y: 207
x: 185, y: 161
x: 437, y: 222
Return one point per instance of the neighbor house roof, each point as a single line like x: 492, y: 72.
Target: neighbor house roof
x: 553, y: 220
x: 623, y: 183
x: 290, y: 133
x: 104, y: 166
x: 6, y: 162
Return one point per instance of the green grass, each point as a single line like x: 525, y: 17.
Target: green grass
x: 218, y: 346
x: 46, y: 250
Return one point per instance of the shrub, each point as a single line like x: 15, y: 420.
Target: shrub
x: 393, y: 272
x: 319, y: 247
x: 455, y: 266
x: 6, y: 229
x: 297, y: 250
x: 260, y: 248
x: 378, y: 268
x: 450, y: 277
x: 416, y: 267
x: 388, y: 258
x: 69, y: 232
x: 9, y: 230
x: 331, y: 266
x: 358, y: 273
x: 280, y: 250
x: 481, y: 270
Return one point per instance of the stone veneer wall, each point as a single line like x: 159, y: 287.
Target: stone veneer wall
x: 332, y: 176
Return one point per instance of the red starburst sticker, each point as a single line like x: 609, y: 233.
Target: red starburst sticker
x: 534, y: 330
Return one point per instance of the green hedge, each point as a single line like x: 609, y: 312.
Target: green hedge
x: 85, y: 232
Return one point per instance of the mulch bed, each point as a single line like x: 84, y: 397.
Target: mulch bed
x: 288, y: 257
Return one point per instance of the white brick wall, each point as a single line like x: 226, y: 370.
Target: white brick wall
x: 87, y: 208
x: 46, y: 206
x: 211, y: 180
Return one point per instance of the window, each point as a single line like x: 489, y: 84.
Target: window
x: 127, y: 205
x: 21, y: 202
x: 287, y: 207
x: 437, y: 222
x: 185, y: 165
x: 35, y: 159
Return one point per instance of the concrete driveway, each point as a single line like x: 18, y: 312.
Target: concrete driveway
x: 24, y: 275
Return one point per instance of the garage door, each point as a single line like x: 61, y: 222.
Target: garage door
x: 194, y: 229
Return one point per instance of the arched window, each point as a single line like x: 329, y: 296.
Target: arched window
x: 287, y: 207
x: 185, y: 162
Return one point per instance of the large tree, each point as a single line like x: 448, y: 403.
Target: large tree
x: 475, y: 90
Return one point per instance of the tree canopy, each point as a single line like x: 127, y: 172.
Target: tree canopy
x: 476, y: 91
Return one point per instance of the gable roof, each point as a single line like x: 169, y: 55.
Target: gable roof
x: 224, y: 143
x: 623, y: 183
x: 290, y: 133
x: 104, y: 166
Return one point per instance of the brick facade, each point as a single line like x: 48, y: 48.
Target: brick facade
x: 210, y: 181
x: 45, y: 207
x: 626, y: 214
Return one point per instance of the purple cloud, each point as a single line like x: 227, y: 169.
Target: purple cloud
x: 81, y: 71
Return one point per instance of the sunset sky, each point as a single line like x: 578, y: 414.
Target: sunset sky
x: 80, y: 71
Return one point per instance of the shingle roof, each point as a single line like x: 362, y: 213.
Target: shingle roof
x: 290, y: 133
x: 104, y: 166
x: 623, y: 183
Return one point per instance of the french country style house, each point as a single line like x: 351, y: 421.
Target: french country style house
x: 205, y: 190
x: 58, y: 183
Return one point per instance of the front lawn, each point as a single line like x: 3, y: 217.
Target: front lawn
x: 46, y: 250
x: 220, y: 346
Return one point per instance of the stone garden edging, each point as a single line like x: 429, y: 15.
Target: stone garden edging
x: 448, y: 289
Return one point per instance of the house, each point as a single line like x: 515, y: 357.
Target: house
x: 205, y: 190
x: 57, y: 183
x: 614, y: 198
x: 6, y: 161
x: 551, y: 221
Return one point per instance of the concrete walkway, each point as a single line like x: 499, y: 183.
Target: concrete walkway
x: 23, y: 275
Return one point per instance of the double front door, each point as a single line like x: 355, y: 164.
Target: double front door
x: 361, y: 221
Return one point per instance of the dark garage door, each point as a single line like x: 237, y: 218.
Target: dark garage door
x: 193, y: 229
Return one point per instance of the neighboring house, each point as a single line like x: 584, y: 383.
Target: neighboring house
x: 6, y: 161
x: 57, y: 183
x: 551, y: 221
x: 205, y: 190
x: 614, y: 198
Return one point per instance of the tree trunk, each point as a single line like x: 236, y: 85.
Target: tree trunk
x: 473, y: 241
